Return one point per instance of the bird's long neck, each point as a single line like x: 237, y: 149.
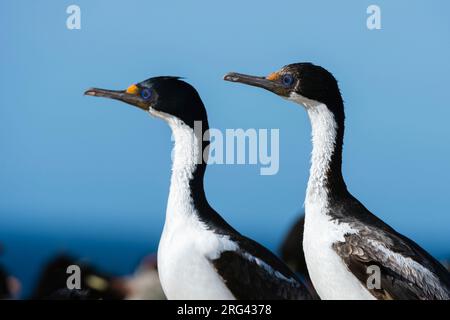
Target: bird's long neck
x: 325, y: 178
x: 188, y: 169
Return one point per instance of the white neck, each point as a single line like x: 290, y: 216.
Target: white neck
x: 186, y: 151
x: 324, y: 130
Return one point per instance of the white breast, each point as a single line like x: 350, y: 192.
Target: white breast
x: 183, y: 262
x: 329, y: 275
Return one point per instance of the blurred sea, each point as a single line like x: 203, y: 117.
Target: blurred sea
x: 25, y: 255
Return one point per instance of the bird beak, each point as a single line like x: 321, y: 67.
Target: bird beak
x: 129, y: 96
x: 270, y: 83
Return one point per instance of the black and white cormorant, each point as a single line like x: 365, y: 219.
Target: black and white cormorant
x: 344, y: 243
x: 200, y: 256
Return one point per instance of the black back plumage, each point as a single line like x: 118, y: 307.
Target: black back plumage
x: 253, y: 272
x: 376, y: 243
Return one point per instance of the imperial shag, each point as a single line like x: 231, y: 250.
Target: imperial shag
x: 344, y: 243
x: 200, y: 255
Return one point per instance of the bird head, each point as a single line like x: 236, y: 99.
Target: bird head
x: 164, y: 97
x: 303, y: 83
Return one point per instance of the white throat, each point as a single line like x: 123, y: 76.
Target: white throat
x: 324, y: 129
x: 185, y: 155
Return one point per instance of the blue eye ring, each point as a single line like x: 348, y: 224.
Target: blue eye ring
x: 287, y: 79
x: 146, y: 93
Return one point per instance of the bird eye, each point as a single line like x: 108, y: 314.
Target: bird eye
x: 146, y: 93
x: 287, y: 80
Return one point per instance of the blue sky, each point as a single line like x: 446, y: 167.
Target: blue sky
x: 72, y: 166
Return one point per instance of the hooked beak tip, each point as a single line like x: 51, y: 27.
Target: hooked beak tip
x: 231, y: 76
x: 90, y: 92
